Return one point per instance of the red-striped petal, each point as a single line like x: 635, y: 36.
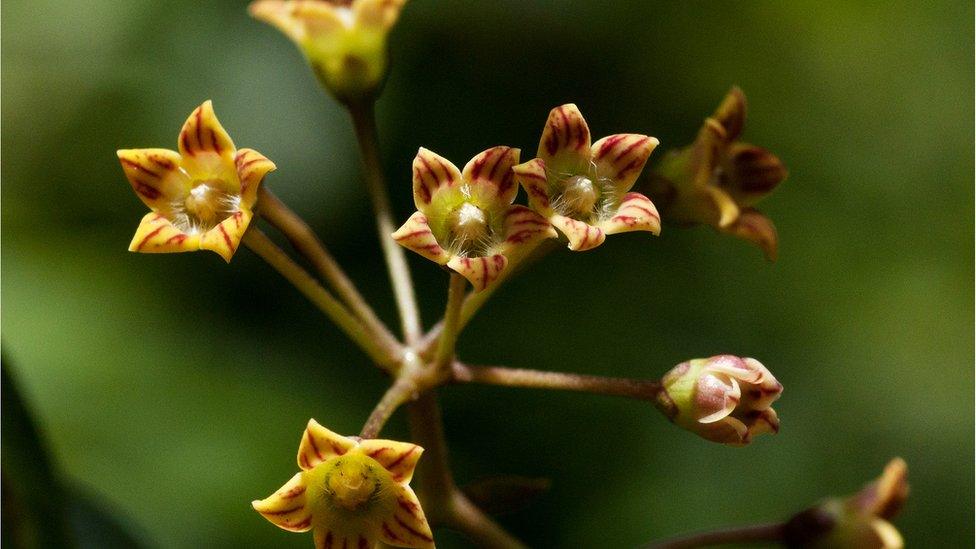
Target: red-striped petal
x: 287, y: 507
x: 225, y: 238
x: 319, y: 444
x: 207, y: 151
x: 251, y: 167
x: 621, y: 157
x: 532, y: 176
x: 155, y: 175
x: 416, y: 235
x: 565, y: 143
x: 399, y: 458
x: 431, y: 172
x: 635, y: 213
x: 481, y: 272
x: 157, y: 234
x: 493, y: 167
x: 582, y: 236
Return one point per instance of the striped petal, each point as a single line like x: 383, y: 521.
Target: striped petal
x: 207, y: 150
x: 621, y: 158
x: 330, y: 538
x: 155, y: 175
x: 731, y: 113
x: 226, y: 236
x: 399, y: 458
x: 524, y: 229
x: 582, y: 236
x: 407, y: 526
x: 156, y: 234
x: 635, y: 213
x: 415, y: 235
x: 298, y: 19
x: 565, y: 143
x: 532, y: 176
x: 377, y: 14
x: 251, y: 167
x: 319, y: 444
x: 287, y: 507
x: 431, y: 172
x: 493, y: 168
x: 481, y: 272
x: 749, y: 173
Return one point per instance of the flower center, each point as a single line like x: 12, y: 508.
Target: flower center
x: 579, y: 197
x: 469, y: 227
x: 206, y: 206
x: 351, y: 483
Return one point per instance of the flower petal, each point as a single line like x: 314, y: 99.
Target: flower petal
x: 287, y: 507
x: 731, y: 113
x: 729, y: 431
x: 431, y: 172
x: 297, y: 19
x: 582, y: 236
x: 716, y: 396
x: 635, y: 213
x: 749, y: 173
x: 329, y: 538
x: 377, y: 14
x: 156, y: 234
x: 480, y: 271
x: 319, y: 444
x: 621, y: 158
x: 415, y: 235
x: 155, y: 175
x: 755, y: 227
x: 524, y: 229
x: 493, y: 167
x: 760, y: 422
x: 207, y: 150
x: 251, y: 166
x: 532, y: 176
x: 565, y: 143
x: 399, y: 458
x: 719, y: 208
x: 226, y: 236
x: 407, y: 527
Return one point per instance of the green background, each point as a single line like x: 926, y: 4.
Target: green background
x: 174, y: 388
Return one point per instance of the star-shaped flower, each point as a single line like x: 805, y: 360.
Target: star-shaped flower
x: 724, y: 398
x: 343, y: 40
x: 583, y: 189
x: 466, y: 220
x: 202, y: 196
x: 351, y: 493
x: 717, y: 180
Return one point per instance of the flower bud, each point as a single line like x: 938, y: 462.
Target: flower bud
x: 723, y: 399
x: 858, y: 521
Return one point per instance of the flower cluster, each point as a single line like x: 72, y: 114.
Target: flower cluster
x: 466, y: 220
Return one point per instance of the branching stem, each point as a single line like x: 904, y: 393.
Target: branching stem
x: 260, y: 244
x: 309, y: 245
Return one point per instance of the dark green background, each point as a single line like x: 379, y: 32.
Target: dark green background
x: 175, y: 387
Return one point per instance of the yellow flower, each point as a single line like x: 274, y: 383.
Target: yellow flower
x: 351, y: 493
x: 582, y: 188
x: 723, y: 399
x: 344, y: 41
x: 202, y: 196
x: 466, y: 220
x: 860, y: 521
x: 717, y: 180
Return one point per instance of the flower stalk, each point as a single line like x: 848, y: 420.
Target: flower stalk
x: 535, y: 379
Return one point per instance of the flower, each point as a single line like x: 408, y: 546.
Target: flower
x: 202, y: 196
x: 723, y: 399
x: 466, y: 220
x: 351, y: 493
x: 717, y: 180
x: 582, y: 188
x: 343, y: 40
x: 858, y: 521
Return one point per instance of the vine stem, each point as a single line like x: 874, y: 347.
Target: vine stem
x: 263, y: 246
x: 741, y: 534
x: 309, y: 245
x: 364, y: 120
x: 640, y: 389
x: 401, y: 391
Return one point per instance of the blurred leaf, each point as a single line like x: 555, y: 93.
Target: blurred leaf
x: 33, y: 501
x: 95, y: 527
x: 505, y: 493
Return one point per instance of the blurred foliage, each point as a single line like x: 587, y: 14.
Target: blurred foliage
x: 175, y: 387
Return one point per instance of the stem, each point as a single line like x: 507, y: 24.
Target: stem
x: 427, y: 430
x: 534, y: 379
x: 364, y: 121
x: 308, y: 244
x: 397, y: 394
x: 260, y: 244
x: 452, y: 316
x: 478, y: 527
x: 742, y: 534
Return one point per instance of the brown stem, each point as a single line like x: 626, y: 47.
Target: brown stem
x: 398, y: 393
x: 742, y: 534
x: 364, y: 121
x: 309, y: 245
x: 452, y: 316
x: 535, y: 379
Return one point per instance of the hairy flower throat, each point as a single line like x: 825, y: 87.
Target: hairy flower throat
x: 580, y: 196
x: 469, y: 227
